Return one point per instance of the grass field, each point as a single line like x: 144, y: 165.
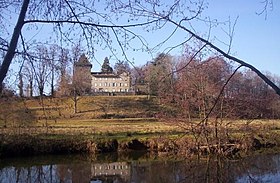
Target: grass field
x: 100, y: 116
x: 114, y: 116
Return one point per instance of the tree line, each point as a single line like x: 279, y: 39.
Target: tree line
x: 97, y: 24
x: 194, y: 85
x: 198, y: 87
x: 102, y: 27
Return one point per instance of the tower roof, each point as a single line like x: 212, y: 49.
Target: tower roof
x: 83, y: 61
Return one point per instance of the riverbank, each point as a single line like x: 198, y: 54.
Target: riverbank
x: 111, y: 124
x: 175, y: 144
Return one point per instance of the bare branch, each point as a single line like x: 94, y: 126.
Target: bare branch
x: 267, y: 4
x: 91, y: 24
x: 13, y: 44
x: 241, y: 62
x: 76, y: 17
x: 220, y: 94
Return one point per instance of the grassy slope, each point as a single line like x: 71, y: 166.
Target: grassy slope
x: 92, y: 107
x: 97, y: 115
x: 113, y: 116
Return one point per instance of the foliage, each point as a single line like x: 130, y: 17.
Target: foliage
x: 106, y: 68
x: 158, y: 75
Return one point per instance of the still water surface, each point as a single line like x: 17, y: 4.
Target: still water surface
x: 139, y: 168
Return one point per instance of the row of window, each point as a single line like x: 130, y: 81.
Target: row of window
x: 113, y: 90
x: 112, y: 167
x: 110, y: 84
x: 107, y: 78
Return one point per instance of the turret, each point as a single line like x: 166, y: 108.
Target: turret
x: 82, y: 73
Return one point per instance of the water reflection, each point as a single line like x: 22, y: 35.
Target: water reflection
x: 116, y: 168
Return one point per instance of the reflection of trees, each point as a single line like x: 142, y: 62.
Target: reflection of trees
x: 25, y: 174
x: 256, y: 168
x: 210, y: 170
x: 73, y: 172
x: 213, y: 169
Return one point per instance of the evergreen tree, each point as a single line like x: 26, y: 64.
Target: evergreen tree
x: 106, y: 66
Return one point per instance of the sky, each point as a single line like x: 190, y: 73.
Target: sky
x: 256, y: 37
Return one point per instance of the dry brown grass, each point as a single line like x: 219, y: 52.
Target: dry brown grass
x: 105, y: 115
x: 97, y: 115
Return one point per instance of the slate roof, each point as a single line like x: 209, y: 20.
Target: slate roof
x: 83, y: 61
x: 104, y: 75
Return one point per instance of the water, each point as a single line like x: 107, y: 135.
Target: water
x: 138, y: 168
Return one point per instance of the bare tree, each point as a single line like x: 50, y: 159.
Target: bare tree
x: 104, y: 28
x: 138, y: 80
x: 28, y: 73
x: 41, y: 68
x: 121, y: 67
x: 78, y: 88
x: 53, y: 65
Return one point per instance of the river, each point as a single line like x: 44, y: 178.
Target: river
x: 139, y: 167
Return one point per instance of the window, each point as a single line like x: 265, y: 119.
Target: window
x: 113, y: 84
x: 100, y: 84
x: 95, y: 84
x: 95, y: 78
x: 100, y: 78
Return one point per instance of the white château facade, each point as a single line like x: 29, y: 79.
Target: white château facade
x: 106, y: 81
x: 110, y: 82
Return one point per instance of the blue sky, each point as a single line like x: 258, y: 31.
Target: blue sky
x: 256, y: 37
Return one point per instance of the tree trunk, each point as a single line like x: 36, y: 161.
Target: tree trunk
x: 75, y: 102
x: 75, y: 105
x: 20, y: 85
x: 13, y: 44
x: 52, y: 84
x: 41, y: 90
x: 30, y: 88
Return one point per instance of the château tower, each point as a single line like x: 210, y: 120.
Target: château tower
x: 82, y: 74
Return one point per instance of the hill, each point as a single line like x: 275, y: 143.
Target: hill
x: 96, y: 114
